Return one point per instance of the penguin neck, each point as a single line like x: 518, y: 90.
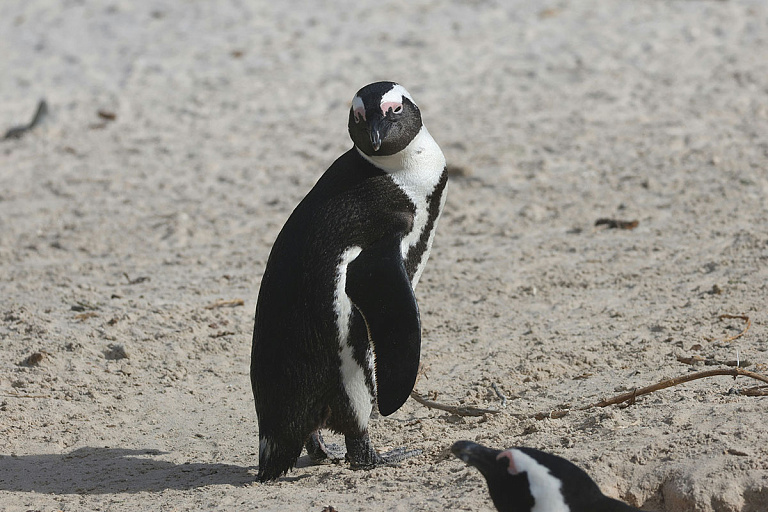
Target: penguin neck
x: 421, y: 154
x: 417, y: 170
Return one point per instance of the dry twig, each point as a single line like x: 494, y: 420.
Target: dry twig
x: 499, y: 394
x: 11, y: 395
x: 18, y: 131
x: 631, y: 395
x: 694, y: 360
x: 82, y: 317
x: 552, y: 415
x: 221, y: 334
x: 743, y: 332
x: 137, y: 280
x: 225, y: 304
x: 754, y: 391
x: 453, y: 409
x: 617, y: 224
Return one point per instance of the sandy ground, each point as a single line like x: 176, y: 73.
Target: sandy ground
x: 119, y: 230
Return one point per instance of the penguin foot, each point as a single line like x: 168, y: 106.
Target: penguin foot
x: 321, y: 453
x: 384, y: 459
x: 398, y: 455
x: 362, y: 455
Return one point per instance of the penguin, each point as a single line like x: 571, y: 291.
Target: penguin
x: 337, y: 326
x: 529, y: 480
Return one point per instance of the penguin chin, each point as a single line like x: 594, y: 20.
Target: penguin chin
x: 364, y: 144
x: 384, y: 150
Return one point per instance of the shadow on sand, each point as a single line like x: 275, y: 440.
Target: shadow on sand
x: 112, y: 470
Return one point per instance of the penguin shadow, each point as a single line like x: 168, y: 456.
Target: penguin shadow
x: 302, y: 462
x: 305, y: 462
x: 112, y: 470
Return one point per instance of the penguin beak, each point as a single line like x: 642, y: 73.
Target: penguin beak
x: 375, y: 140
x: 476, y: 455
x: 377, y: 129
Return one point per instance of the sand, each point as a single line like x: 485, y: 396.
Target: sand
x: 135, y: 224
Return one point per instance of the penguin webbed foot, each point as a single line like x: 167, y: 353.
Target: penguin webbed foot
x: 398, y: 455
x: 321, y: 453
x: 384, y: 459
x: 362, y: 455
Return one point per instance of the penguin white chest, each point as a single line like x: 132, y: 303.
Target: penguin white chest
x: 417, y: 171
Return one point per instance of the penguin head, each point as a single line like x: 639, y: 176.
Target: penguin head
x: 528, y: 480
x: 383, y: 119
x: 509, y: 489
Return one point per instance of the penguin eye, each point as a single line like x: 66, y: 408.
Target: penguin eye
x: 398, y: 109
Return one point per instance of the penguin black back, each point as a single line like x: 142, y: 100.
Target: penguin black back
x: 529, y: 480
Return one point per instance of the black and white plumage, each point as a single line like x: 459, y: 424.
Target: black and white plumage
x: 529, y: 480
x: 337, y: 325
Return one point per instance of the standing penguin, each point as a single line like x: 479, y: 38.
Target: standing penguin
x: 337, y: 325
x: 529, y: 480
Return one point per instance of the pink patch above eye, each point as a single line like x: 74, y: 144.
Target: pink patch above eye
x: 359, y: 114
x: 394, y: 105
x: 511, y: 468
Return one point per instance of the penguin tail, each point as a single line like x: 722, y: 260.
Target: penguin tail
x: 276, y: 457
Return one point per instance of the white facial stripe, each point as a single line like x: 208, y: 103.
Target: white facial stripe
x: 511, y: 468
x: 395, y: 95
x: 352, y: 374
x: 358, y: 108
x: 544, y: 487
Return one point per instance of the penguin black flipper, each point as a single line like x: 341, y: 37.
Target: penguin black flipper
x: 391, y: 316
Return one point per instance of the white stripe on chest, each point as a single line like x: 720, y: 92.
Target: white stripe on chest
x: 416, y: 170
x: 352, y: 374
